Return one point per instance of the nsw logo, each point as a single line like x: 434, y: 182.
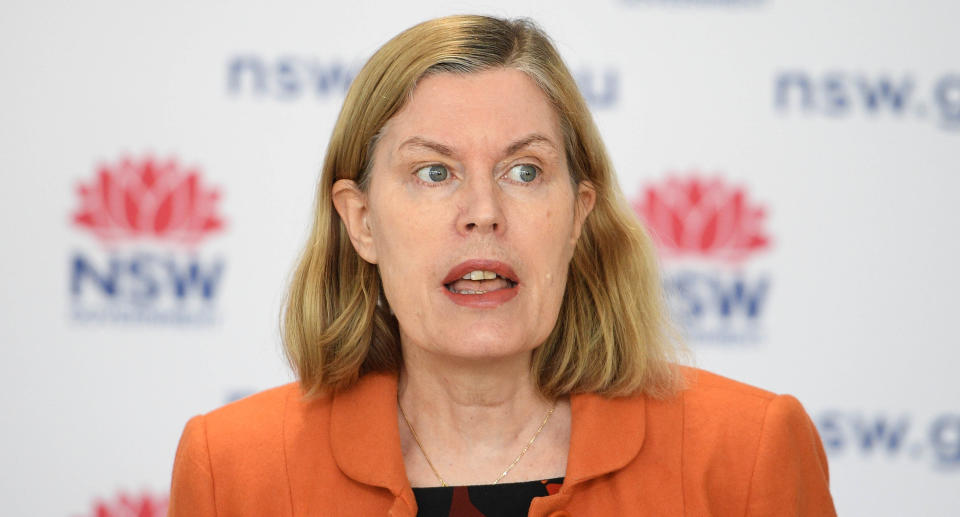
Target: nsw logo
x: 707, y: 231
x: 149, y: 218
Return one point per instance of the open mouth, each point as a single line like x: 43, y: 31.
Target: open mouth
x: 481, y: 283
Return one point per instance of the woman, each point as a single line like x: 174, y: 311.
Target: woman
x: 477, y: 307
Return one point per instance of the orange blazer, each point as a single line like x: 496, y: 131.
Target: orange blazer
x: 718, y: 448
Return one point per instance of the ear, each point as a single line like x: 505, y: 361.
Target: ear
x: 586, y: 198
x: 352, y: 205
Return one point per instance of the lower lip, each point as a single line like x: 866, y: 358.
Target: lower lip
x: 487, y: 300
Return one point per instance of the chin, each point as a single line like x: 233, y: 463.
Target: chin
x: 482, y: 346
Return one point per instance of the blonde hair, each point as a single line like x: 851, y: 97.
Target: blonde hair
x: 612, y: 335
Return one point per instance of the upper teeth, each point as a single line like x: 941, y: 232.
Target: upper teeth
x: 480, y: 275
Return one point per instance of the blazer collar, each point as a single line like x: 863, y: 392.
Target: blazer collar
x: 364, y: 435
x: 606, y: 434
x: 363, y: 440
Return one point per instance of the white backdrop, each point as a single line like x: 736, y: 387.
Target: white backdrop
x: 196, y: 133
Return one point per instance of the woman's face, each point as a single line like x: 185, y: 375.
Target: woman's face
x: 470, y: 215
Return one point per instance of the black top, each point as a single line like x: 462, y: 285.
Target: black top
x: 501, y: 500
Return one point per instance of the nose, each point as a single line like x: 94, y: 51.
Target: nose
x: 481, y: 206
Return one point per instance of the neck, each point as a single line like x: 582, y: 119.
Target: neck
x: 473, y: 418
x: 456, y: 394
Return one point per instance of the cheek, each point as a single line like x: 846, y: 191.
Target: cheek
x: 405, y: 239
x: 551, y: 229
x: 548, y: 251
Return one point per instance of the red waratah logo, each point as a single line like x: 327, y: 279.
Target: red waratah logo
x: 125, y: 505
x: 148, y: 198
x: 702, y: 217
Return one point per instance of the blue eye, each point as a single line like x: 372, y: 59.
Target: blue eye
x: 523, y: 173
x: 433, y: 173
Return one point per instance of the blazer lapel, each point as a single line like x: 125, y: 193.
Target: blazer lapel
x: 362, y: 439
x: 606, y: 434
x: 637, y: 441
x: 365, y: 439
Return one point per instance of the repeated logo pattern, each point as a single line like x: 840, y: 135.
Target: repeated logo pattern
x: 148, y: 198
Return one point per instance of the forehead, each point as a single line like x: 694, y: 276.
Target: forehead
x: 480, y: 111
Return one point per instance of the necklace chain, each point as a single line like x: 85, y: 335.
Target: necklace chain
x: 505, y: 471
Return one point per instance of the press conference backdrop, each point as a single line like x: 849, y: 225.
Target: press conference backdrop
x: 797, y: 161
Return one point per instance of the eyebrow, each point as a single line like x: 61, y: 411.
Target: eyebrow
x: 419, y: 141
x: 513, y: 148
x: 529, y: 141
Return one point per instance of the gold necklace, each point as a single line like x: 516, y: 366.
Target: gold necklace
x: 502, y: 474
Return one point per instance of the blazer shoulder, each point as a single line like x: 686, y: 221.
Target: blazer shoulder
x: 701, y: 384
x: 231, y: 452
x: 257, y: 420
x: 759, y: 448
x: 722, y: 411
x: 720, y: 401
x: 252, y: 409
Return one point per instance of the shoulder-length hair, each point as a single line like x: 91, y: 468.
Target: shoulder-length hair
x: 612, y: 335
